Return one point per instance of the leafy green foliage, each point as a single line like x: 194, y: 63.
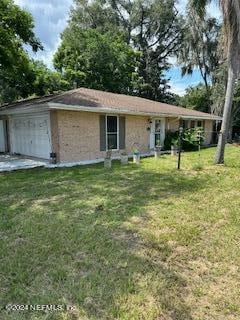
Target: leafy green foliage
x: 120, y: 46
x: 16, y: 74
x: 47, y: 81
x: 19, y: 75
x: 16, y: 29
x: 190, y: 139
x: 17, y: 82
x: 171, y: 138
x: 29, y: 78
x: 197, y: 98
x: 95, y: 60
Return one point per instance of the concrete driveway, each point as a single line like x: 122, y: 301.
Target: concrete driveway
x: 10, y: 163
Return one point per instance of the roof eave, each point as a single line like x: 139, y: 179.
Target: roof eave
x: 61, y: 106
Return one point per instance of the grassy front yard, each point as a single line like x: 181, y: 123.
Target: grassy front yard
x: 131, y: 243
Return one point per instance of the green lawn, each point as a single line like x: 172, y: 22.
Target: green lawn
x: 146, y: 242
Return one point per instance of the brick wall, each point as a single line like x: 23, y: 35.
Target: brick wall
x: 208, y: 128
x: 76, y: 135
x: 136, y: 133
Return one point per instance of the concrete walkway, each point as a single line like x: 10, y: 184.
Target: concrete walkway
x: 10, y: 163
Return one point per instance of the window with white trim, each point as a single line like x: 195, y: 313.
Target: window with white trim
x: 112, y: 130
x: 157, y: 133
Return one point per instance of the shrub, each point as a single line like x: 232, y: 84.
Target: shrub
x: 170, y: 139
x: 189, y: 139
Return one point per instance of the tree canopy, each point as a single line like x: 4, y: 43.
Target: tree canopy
x: 20, y: 76
x: 200, y: 46
x: 16, y: 29
x: 34, y: 79
x: 97, y: 60
x: 197, y: 98
x: 144, y: 33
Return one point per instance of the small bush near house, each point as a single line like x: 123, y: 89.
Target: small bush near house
x: 170, y: 139
x: 189, y: 139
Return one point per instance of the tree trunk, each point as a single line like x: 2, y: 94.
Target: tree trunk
x: 223, y: 134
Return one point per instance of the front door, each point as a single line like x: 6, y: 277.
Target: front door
x: 157, y: 136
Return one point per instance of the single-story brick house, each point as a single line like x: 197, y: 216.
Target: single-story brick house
x: 81, y: 124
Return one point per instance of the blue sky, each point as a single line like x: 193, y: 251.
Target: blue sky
x: 178, y: 83
x: 51, y: 18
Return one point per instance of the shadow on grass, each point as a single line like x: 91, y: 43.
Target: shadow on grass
x: 66, y: 239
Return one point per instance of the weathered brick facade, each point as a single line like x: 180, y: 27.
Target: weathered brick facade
x: 76, y: 134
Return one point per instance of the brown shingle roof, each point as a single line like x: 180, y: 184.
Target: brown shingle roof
x: 97, y: 100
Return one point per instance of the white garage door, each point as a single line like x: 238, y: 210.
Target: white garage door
x: 31, y: 135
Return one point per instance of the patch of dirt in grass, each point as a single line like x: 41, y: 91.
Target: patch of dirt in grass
x: 128, y: 239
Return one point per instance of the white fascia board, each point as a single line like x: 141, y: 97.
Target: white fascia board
x: 61, y: 106
x: 213, y: 118
x: 25, y: 110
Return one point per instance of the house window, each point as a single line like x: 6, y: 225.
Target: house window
x: 192, y: 124
x: 112, y: 133
x: 199, y: 124
x: 157, y: 133
x: 185, y: 124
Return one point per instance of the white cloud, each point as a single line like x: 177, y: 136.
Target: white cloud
x: 179, y: 87
x: 50, y: 17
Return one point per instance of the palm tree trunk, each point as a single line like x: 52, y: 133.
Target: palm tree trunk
x: 223, y: 135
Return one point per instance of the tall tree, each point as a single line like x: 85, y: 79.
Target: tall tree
x: 231, y: 29
x: 197, y: 98
x: 199, y: 47
x: 154, y: 28
x: 28, y: 78
x: 150, y: 27
x: 17, y: 81
x: 16, y: 29
x: 47, y: 81
x: 98, y: 61
x: 21, y: 76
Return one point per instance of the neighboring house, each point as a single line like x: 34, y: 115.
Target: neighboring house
x: 81, y: 124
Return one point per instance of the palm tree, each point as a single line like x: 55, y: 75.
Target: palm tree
x: 231, y: 30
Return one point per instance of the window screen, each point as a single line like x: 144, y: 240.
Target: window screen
x: 112, y: 132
